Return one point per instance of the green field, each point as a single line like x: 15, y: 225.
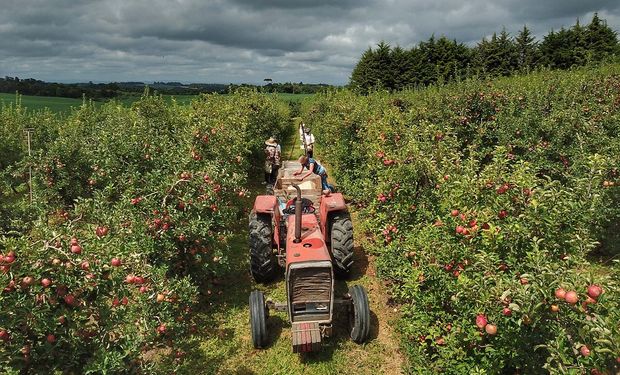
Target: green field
x: 55, y: 104
x: 63, y: 105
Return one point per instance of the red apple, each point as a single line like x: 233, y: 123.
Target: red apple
x: 69, y: 299
x: 590, y: 300
x: 560, y: 293
x: 51, y: 338
x: 491, y: 329
x: 76, y: 249
x: 584, y: 350
x: 116, y: 262
x: 481, y: 321
x: 571, y: 297
x: 454, y: 213
x: 507, y: 312
x: 4, y: 335
x: 28, y: 281
x: 594, y: 291
x: 101, y: 231
x: 46, y: 282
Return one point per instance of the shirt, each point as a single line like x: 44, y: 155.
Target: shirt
x: 309, y: 141
x: 317, y: 169
x: 272, y: 154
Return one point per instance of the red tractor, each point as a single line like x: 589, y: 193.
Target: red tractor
x: 312, y: 245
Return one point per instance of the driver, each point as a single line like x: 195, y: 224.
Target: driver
x: 314, y: 167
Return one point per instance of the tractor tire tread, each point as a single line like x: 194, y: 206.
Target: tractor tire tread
x: 360, y: 326
x: 341, y: 229
x: 258, y: 319
x: 263, y: 262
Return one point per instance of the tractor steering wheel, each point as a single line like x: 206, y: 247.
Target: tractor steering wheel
x: 307, y: 207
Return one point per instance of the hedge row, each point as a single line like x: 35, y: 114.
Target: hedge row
x: 486, y: 202
x: 132, y: 216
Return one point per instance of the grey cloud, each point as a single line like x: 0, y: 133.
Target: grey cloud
x: 248, y: 40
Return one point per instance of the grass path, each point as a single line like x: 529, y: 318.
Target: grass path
x: 227, y: 348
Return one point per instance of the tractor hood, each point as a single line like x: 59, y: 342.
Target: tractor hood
x: 312, y: 248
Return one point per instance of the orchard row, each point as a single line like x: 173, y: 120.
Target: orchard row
x: 132, y: 213
x: 485, y: 202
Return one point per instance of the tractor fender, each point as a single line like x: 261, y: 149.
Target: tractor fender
x: 329, y: 204
x: 266, y: 204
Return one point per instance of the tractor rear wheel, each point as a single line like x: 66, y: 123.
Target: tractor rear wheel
x: 359, y: 314
x: 341, y: 229
x: 263, y: 261
x: 258, y: 319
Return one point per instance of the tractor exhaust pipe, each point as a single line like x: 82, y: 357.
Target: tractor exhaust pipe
x: 297, y: 215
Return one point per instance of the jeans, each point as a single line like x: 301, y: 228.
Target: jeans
x: 324, y: 184
x: 274, y: 174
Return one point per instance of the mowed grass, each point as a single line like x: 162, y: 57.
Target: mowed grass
x: 227, y: 347
x: 64, y: 105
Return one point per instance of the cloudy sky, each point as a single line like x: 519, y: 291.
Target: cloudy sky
x: 225, y: 41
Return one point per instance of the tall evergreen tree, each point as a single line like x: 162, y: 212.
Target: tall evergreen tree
x: 498, y: 56
x: 401, y: 68
x: 364, y: 75
x: 426, y: 70
x: 578, y: 45
x: 383, y: 60
x: 451, y: 59
x: 527, y: 50
x: 557, y: 49
x: 601, y: 40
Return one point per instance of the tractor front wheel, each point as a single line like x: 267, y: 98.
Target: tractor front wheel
x: 258, y: 319
x: 359, y: 314
x: 263, y: 261
x: 341, y: 229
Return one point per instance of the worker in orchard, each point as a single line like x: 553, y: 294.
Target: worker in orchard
x: 307, y: 139
x: 273, y: 160
x: 314, y: 167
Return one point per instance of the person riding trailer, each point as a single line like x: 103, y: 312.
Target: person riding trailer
x: 314, y: 167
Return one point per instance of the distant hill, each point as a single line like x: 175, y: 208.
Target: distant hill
x: 102, y: 91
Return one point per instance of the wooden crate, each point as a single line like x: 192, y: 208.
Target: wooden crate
x: 310, y: 186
